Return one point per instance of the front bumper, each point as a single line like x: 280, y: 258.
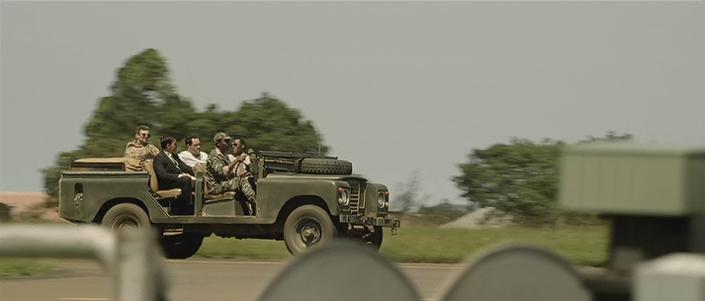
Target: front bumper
x: 370, y: 221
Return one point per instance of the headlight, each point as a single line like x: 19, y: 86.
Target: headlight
x: 343, y: 196
x: 382, y: 200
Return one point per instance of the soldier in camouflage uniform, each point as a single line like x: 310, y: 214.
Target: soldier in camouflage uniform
x: 139, y: 149
x: 220, y: 176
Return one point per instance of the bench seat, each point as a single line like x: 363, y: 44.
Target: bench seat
x: 173, y: 193
x: 212, y: 198
x: 169, y: 193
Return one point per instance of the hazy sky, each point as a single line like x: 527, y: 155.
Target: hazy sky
x: 394, y: 87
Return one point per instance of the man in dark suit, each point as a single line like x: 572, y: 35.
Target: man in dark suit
x: 174, y: 173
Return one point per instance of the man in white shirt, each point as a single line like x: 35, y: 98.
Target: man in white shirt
x: 193, y: 155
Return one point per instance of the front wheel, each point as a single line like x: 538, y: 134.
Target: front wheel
x: 180, y: 246
x: 306, y: 227
x: 374, y: 238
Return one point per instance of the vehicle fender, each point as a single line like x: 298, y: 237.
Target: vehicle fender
x: 273, y: 194
x: 371, y: 207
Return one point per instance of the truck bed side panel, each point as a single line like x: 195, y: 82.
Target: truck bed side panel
x: 82, y: 194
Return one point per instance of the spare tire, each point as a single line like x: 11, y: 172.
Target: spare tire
x: 326, y: 166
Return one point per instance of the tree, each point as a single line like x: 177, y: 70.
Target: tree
x: 520, y: 178
x: 270, y: 124
x: 408, y: 197
x: 142, y: 93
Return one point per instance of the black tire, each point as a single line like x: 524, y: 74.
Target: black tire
x: 306, y: 227
x: 374, y: 238
x: 326, y: 166
x: 180, y: 246
x: 125, y: 216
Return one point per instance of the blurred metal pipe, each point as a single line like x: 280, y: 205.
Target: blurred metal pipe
x: 130, y: 256
x: 58, y: 242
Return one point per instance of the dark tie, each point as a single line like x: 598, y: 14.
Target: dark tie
x: 173, y: 161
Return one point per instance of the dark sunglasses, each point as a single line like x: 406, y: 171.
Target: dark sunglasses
x: 145, y: 135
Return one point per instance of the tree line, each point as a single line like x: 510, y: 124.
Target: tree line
x: 519, y: 177
x: 143, y: 93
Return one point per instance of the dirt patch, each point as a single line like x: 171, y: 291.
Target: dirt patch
x: 30, y: 206
x: 23, y: 201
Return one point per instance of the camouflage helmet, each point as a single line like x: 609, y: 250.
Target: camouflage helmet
x: 220, y: 136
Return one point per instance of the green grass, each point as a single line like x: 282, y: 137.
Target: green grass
x: 13, y: 267
x: 583, y: 245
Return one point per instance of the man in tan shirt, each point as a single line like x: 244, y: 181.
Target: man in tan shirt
x: 139, y: 149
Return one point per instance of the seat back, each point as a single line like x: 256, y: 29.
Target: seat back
x: 148, y: 166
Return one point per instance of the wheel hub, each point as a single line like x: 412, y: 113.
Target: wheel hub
x: 310, y: 233
x: 127, y: 224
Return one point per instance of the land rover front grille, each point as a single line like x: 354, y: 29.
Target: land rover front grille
x: 357, y: 197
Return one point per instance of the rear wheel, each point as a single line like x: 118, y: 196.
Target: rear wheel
x: 180, y: 246
x: 306, y: 227
x: 125, y: 216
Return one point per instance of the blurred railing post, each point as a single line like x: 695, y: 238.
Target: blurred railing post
x: 130, y: 256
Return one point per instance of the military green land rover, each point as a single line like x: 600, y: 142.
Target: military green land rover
x: 302, y: 199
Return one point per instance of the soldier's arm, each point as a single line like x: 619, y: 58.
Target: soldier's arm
x: 217, y: 167
x: 228, y: 170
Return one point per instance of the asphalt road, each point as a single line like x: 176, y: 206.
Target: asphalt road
x: 213, y: 280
